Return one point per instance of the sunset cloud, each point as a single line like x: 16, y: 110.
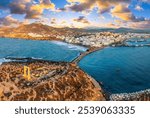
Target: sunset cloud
x: 122, y: 11
x: 44, y: 4
x: 140, y: 25
x: 77, y: 13
x: 145, y: 24
x: 102, y: 5
x: 117, y: 8
x: 81, y: 19
x: 8, y: 21
x: 29, y: 8
x: 53, y: 21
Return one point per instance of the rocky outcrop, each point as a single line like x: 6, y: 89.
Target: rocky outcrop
x: 136, y: 96
x: 49, y: 81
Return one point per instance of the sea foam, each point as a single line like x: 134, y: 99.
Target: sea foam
x: 70, y: 46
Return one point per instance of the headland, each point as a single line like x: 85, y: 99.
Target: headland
x: 55, y: 80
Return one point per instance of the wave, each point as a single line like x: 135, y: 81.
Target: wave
x: 13, y: 58
x: 70, y: 46
x: 18, y: 58
x: 4, y: 60
x: 1, y: 61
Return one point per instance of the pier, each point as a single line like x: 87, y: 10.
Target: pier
x: 89, y: 51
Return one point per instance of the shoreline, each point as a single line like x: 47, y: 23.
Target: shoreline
x: 80, y: 57
x: 89, y: 51
x: 142, y: 95
x: 33, y: 38
x: 66, y: 76
x: 51, y: 40
x: 95, y: 83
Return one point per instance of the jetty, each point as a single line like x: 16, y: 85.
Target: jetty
x: 143, y: 95
x: 89, y: 51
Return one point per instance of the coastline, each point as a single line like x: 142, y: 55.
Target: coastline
x: 32, y: 38
x: 95, y: 83
x: 89, y: 51
x: 78, y: 58
x: 63, y: 81
x: 143, y: 95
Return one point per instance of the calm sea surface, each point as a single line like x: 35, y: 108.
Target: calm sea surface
x: 120, y: 69
x: 48, y: 50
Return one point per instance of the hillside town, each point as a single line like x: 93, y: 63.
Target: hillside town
x: 59, y: 80
x: 70, y: 35
x: 100, y: 39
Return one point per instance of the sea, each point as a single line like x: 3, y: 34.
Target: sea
x: 120, y: 69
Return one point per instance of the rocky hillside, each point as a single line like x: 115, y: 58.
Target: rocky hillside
x: 38, y: 31
x: 49, y: 81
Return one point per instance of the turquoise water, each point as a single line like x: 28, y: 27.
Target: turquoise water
x: 137, y: 42
x: 48, y: 50
x: 120, y: 69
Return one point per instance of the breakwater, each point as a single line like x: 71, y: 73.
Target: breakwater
x: 135, y: 96
x: 121, y: 70
x: 50, y: 81
x: 83, y: 54
x: 136, y: 45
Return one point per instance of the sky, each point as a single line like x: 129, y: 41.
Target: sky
x: 77, y: 13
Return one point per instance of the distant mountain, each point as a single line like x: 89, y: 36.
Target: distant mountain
x: 45, y: 32
x: 38, y: 31
x: 119, y: 30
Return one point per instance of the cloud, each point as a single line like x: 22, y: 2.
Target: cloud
x: 81, y: 19
x: 140, y: 25
x: 122, y: 11
x: 19, y: 6
x: 24, y: 7
x: 44, y: 4
x: 80, y: 5
x: 102, y: 5
x: 111, y: 25
x: 63, y: 22
x: 53, y: 21
x: 144, y: 24
x: 117, y: 8
x: 147, y: 1
x: 31, y: 9
x: 8, y: 21
x: 138, y: 8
